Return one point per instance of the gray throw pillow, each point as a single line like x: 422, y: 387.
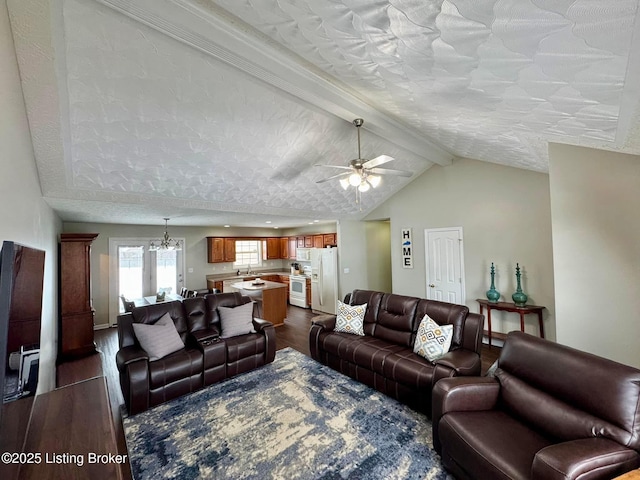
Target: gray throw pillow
x: 159, y: 339
x: 236, y: 321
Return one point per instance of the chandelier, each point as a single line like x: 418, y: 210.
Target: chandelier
x: 167, y: 243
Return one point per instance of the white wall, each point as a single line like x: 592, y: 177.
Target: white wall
x: 378, y: 260
x: 352, y: 256
x: 24, y: 217
x: 364, y: 261
x: 506, y: 218
x: 595, y: 197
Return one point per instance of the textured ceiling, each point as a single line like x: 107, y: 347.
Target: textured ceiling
x: 214, y: 112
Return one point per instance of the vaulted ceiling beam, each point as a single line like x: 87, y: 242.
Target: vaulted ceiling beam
x: 216, y: 33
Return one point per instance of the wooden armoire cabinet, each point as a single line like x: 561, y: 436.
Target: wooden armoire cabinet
x: 76, y: 310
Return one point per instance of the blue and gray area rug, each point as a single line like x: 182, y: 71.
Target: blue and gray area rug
x: 291, y: 419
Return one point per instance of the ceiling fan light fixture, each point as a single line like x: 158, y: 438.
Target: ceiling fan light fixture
x: 374, y: 180
x: 362, y: 174
x: 355, y: 179
x: 364, y: 186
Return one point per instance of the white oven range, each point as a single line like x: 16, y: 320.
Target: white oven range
x: 298, y: 291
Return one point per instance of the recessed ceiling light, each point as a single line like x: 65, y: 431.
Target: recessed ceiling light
x: 268, y: 221
x: 227, y: 226
x: 316, y: 221
x: 310, y: 223
x: 276, y: 227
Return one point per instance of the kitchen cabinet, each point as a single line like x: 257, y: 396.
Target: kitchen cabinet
x: 229, y: 249
x: 221, y: 249
x: 284, y: 247
x: 215, y: 250
x: 273, y: 248
x: 329, y: 239
x: 75, y: 336
x: 309, y: 292
x: 284, y: 279
x: 293, y: 244
x: 219, y: 284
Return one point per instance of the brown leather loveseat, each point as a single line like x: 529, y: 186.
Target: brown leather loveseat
x: 205, y: 359
x: 383, y: 358
x: 550, y: 412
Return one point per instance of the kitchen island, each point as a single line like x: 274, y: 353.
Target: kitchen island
x: 274, y: 298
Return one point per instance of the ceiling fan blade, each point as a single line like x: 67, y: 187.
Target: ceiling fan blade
x: 339, y: 175
x: 374, y: 162
x: 333, y: 166
x: 389, y: 171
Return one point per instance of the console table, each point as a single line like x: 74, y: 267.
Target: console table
x: 510, y: 307
x: 69, y: 426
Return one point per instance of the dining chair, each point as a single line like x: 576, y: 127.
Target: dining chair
x: 127, y: 304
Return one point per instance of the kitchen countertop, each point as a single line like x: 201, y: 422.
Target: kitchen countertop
x: 231, y: 276
x: 265, y: 285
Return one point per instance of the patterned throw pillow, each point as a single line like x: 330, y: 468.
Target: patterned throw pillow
x: 432, y: 340
x: 350, y: 318
x: 159, y: 339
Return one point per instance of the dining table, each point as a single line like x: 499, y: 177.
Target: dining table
x: 153, y: 299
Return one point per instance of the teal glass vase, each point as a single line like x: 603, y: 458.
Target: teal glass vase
x: 519, y: 297
x: 492, y: 294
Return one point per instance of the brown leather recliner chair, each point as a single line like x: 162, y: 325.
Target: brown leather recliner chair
x: 206, y: 358
x: 551, y: 412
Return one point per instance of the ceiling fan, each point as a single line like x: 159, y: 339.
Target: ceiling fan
x: 361, y: 173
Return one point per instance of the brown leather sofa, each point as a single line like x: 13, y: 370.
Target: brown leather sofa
x: 206, y: 358
x: 383, y: 358
x: 550, y: 412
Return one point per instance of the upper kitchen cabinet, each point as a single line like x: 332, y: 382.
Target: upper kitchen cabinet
x: 221, y: 249
x: 329, y: 240
x: 318, y: 241
x: 284, y: 247
x: 273, y: 248
x: 293, y: 244
x: 229, y: 249
x: 215, y: 250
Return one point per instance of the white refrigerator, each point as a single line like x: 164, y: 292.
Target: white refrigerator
x: 324, y: 279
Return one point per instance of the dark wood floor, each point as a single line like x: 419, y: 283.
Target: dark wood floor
x: 294, y: 333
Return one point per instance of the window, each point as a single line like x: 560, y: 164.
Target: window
x: 248, y: 253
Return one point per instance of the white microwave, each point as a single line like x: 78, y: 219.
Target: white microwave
x: 303, y: 254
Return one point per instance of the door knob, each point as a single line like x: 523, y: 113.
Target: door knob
x: 432, y: 285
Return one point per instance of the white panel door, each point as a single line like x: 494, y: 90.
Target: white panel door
x: 445, y: 264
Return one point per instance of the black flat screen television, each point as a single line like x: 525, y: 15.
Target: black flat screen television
x: 21, y: 284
